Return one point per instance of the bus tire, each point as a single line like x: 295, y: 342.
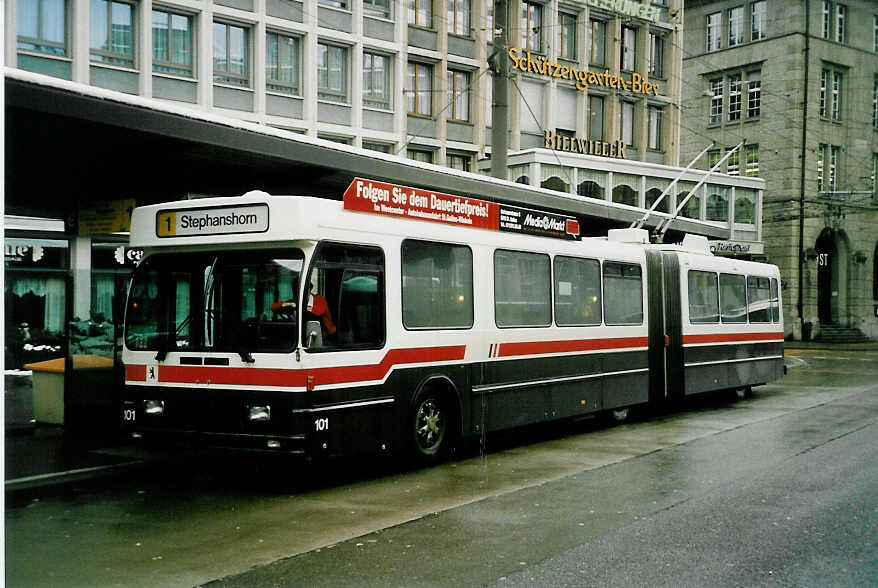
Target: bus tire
x: 431, y: 425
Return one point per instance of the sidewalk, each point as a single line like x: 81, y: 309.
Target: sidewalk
x: 794, y: 345
x: 41, y: 455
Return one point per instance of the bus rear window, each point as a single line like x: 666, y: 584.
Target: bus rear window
x: 229, y: 301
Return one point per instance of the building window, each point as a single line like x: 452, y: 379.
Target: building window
x: 736, y: 26
x: 714, y: 31
x: 626, y: 122
x: 875, y: 104
x: 596, y: 117
x: 827, y: 167
x: 459, y: 161
x: 825, y: 22
x: 282, y: 63
x: 419, y: 92
x: 598, y: 42
x: 459, y: 17
x: 733, y: 163
x: 840, y: 13
x: 754, y: 94
x: 111, y: 32
x: 734, y: 97
x: 718, y: 203
x: 656, y: 55
x: 422, y: 155
x: 342, y: 4
x: 332, y: 73
x: 655, y: 128
x: 231, y: 54
x: 458, y: 95
x: 716, y: 101
x: 376, y: 80
x: 375, y: 146
x: 836, y: 95
x: 752, y: 159
x: 531, y: 26
x: 172, y: 43
x: 380, y: 8
x: 757, y: 21
x: 629, y: 48
x: 567, y: 25
x: 831, y: 83
x: 713, y: 157
x: 42, y: 26
x: 421, y: 13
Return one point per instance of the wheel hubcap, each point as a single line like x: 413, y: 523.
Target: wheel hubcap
x: 429, y: 424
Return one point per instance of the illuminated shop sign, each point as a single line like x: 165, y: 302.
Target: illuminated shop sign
x: 628, y: 8
x: 541, y: 65
x: 405, y: 202
x: 569, y: 144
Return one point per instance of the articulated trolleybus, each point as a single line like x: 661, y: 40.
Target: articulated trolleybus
x: 406, y: 319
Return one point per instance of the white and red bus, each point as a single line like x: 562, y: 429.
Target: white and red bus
x: 407, y: 319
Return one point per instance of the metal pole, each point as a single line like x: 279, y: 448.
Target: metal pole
x: 639, y: 224
x: 663, y: 227
x: 500, y: 87
x: 800, y: 299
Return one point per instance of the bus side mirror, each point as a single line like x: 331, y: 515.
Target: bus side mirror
x: 313, y: 334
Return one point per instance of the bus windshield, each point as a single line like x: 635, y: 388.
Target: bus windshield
x: 240, y: 301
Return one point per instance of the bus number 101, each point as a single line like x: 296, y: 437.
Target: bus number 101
x: 321, y: 425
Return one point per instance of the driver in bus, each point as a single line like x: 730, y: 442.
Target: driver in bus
x: 317, y: 308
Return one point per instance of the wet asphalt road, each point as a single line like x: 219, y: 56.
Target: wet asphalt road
x: 781, y: 490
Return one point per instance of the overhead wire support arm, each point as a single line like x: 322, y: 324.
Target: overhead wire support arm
x: 643, y: 219
x: 663, y: 227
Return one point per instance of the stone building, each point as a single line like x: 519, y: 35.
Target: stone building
x: 797, y: 82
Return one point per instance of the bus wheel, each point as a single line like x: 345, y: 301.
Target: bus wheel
x: 744, y: 393
x: 430, y: 427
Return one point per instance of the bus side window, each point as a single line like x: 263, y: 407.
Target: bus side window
x: 775, y: 302
x: 733, y: 298
x: 623, y: 293
x: 350, y: 278
x: 703, y: 297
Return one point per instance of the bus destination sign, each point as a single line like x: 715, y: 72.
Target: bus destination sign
x: 405, y: 202
x: 219, y: 220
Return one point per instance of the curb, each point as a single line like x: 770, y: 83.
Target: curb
x: 77, y: 475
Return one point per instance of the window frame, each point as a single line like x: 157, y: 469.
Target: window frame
x: 711, y: 319
x: 607, y: 263
x: 548, y: 288
x: 656, y: 55
x: 735, y: 17
x: 758, y: 20
x: 722, y: 303
x: 714, y: 31
x: 325, y: 92
x: 462, y: 27
x: 386, y: 102
x: 413, y: 94
x: 224, y: 76
x: 628, y: 49
x: 316, y: 264
x: 556, y: 295
x: 567, y: 32
x: 418, y: 9
x: 654, y: 121
x: 40, y: 44
x: 531, y: 36
x: 369, y: 9
x: 422, y: 244
x: 597, y: 42
x: 457, y: 97
x: 109, y: 57
x: 275, y: 84
x: 186, y: 70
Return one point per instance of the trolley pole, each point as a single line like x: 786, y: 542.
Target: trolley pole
x: 500, y: 107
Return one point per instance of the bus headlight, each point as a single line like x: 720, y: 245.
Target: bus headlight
x: 259, y: 414
x: 154, y: 407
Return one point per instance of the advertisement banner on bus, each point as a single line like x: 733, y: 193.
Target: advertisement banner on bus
x: 376, y: 197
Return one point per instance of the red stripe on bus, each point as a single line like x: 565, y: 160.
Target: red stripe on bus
x: 731, y: 337
x: 254, y: 376
x: 135, y: 373
x: 541, y: 347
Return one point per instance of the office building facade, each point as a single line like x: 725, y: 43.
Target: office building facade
x: 796, y: 85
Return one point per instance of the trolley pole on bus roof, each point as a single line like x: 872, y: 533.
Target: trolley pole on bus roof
x: 639, y: 224
x: 663, y: 226
x: 500, y: 92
